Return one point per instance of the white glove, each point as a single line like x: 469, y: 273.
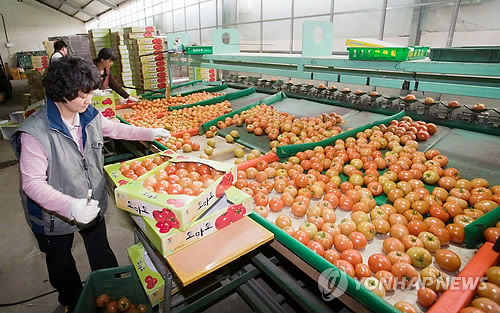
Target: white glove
x: 160, y: 132
x: 133, y: 99
x: 123, y: 101
x: 82, y: 212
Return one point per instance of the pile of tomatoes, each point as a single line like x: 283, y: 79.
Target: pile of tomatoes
x: 148, y: 107
x: 135, y: 169
x: 182, y: 119
x: 188, y: 178
x: 122, y: 305
x: 184, y: 143
x: 283, y: 128
x: 417, y: 225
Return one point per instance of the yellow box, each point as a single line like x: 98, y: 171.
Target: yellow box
x: 234, y: 205
x: 105, y: 104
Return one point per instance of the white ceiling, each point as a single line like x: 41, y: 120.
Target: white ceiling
x: 83, y: 10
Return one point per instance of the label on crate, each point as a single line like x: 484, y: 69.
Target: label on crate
x: 140, y: 29
x: 155, y: 86
x: 140, y: 35
x: 153, y: 57
x: 153, y: 69
x: 154, y: 74
x: 155, y: 80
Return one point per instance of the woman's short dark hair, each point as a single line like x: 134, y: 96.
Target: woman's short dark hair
x: 106, y: 54
x: 58, y: 45
x: 68, y: 76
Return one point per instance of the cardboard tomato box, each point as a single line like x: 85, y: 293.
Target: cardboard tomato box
x: 154, y: 75
x: 151, y: 280
x: 154, y: 86
x: 134, y: 197
x: 153, y: 58
x: 234, y: 205
x: 147, y: 41
x: 104, y: 102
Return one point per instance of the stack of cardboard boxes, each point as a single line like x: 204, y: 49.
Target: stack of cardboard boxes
x: 147, y: 58
x: 99, y: 38
x: 40, y: 62
x: 123, y: 58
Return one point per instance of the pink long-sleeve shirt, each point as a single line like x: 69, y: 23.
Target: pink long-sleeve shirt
x: 33, y: 163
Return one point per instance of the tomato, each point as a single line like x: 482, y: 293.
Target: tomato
x: 456, y: 232
x: 299, y: 208
x: 392, y: 244
x: 374, y: 285
x: 434, y: 279
x: 309, y: 228
x: 342, y: 242
x: 142, y: 308
x: 261, y: 199
x: 331, y: 255
x: 352, y: 256
x: 345, y: 266
x: 430, y: 177
x: 283, y: 221
x: 381, y: 226
x: 448, y: 260
x: 276, y: 204
x: 102, y: 300
x: 316, y: 247
x: 398, y: 256
x: 485, y: 205
x: 123, y: 304
x: 378, y: 262
x: 419, y: 256
x: 431, y: 242
x: 485, y: 304
x: 399, y: 231
x: 317, y: 220
x: 367, y: 229
x: 387, y: 279
x: 331, y: 228
x: 375, y: 188
x: 346, y: 203
x: 302, y: 237
x: 493, y: 275
x: 426, y: 297
x: 405, y: 273
x: 415, y: 227
x: 112, y: 307
x: 490, y: 291
x: 347, y: 226
x: 441, y: 233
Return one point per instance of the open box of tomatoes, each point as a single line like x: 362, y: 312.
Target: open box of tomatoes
x: 184, y: 187
x: 322, y: 204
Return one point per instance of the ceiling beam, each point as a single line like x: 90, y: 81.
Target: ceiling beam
x: 108, y: 4
x: 45, y: 4
x: 77, y: 8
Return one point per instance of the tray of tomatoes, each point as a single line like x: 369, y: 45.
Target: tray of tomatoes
x: 328, y: 199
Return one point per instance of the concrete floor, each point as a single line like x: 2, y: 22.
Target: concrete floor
x: 23, y: 273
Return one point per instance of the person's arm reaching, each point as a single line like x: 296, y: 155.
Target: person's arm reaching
x: 113, y: 84
x: 128, y: 132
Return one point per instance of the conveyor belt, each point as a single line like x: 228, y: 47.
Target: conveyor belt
x: 244, y: 101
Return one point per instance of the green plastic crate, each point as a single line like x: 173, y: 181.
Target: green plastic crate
x: 387, y: 53
x: 199, y: 50
x: 117, y: 282
x: 485, y: 54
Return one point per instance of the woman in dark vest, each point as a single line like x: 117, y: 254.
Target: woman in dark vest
x: 104, y: 61
x: 61, y: 167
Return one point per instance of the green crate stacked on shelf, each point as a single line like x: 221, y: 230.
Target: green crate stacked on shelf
x: 387, y: 53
